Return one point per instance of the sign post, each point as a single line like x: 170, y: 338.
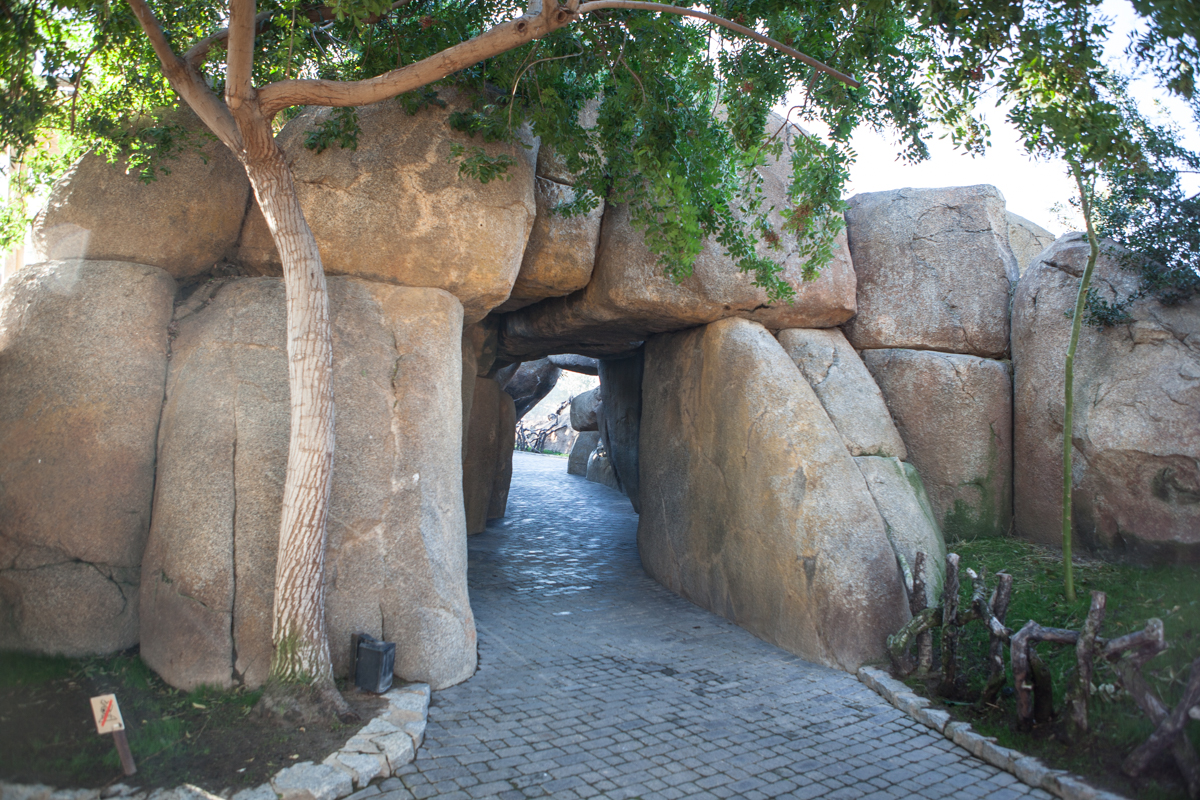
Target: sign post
x: 108, y: 720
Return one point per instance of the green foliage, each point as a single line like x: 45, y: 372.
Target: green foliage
x: 1135, y: 594
x: 340, y: 128
x: 474, y: 162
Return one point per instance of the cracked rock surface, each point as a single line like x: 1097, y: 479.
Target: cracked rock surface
x: 934, y: 270
x: 759, y: 513
x: 395, y: 563
x: 954, y: 413
x: 83, y: 360
x: 1137, y: 412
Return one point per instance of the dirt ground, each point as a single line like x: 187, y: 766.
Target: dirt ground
x: 207, y: 738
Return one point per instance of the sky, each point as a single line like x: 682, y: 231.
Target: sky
x: 1031, y: 188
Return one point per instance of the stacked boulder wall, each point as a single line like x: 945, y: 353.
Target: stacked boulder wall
x: 396, y: 555
x: 506, y: 436
x: 530, y: 383
x: 1137, y: 407
x: 183, y: 221
x: 83, y: 362
x: 934, y: 270
x: 759, y: 512
x: 630, y: 297
x: 1027, y: 240
x: 561, y: 250
x: 395, y: 209
x: 846, y: 390
x: 621, y: 410
x: 954, y: 413
x: 581, y: 451
x: 584, y: 410
x: 482, y: 452
x: 911, y: 526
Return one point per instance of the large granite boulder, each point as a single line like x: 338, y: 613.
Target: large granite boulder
x: 1137, y: 413
x: 561, y: 250
x: 911, y: 526
x: 581, y: 451
x: 600, y: 469
x: 934, y: 270
x: 620, y: 416
x: 583, y: 365
x: 585, y: 409
x: 395, y: 209
x: 83, y: 362
x: 629, y: 296
x: 506, y: 435
x: 482, y: 453
x: 760, y: 514
x: 1027, y: 240
x: 396, y: 555
x: 182, y: 221
x: 531, y: 382
x: 846, y: 390
x: 954, y: 413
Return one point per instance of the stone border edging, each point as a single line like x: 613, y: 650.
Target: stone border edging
x: 1027, y: 769
x: 379, y: 750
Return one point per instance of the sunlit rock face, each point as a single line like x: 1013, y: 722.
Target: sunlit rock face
x: 396, y: 555
x: 1136, y: 473
x: 752, y: 505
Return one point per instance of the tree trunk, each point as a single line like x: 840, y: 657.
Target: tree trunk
x: 298, y: 624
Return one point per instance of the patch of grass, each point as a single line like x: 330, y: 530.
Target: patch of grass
x: 1135, y: 594
x: 23, y: 669
x: 207, y: 736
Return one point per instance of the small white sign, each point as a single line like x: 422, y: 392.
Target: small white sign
x: 107, y: 714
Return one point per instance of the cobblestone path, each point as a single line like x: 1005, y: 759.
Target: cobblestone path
x: 596, y: 682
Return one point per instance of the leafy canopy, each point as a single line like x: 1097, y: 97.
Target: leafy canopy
x: 678, y: 109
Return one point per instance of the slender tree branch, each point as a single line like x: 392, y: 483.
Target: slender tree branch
x: 504, y: 37
x: 200, y: 51
x: 507, y: 35
x: 599, y: 5
x: 187, y: 81
x: 239, y: 61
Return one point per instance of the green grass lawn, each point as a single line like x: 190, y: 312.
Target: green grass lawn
x: 1135, y: 594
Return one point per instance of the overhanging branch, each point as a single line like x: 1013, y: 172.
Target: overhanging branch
x: 504, y: 37
x: 599, y: 5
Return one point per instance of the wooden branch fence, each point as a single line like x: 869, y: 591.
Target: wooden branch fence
x: 1032, y: 682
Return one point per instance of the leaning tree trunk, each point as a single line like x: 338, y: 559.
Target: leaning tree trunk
x: 298, y: 622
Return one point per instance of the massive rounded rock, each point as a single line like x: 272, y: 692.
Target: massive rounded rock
x: 954, y: 413
x: 397, y: 210
x: 561, y: 250
x: 759, y: 513
x: 934, y: 270
x: 846, y: 390
x: 530, y: 383
x: 629, y: 296
x: 1027, y: 240
x: 900, y: 497
x: 581, y: 451
x: 396, y: 554
x: 584, y: 410
x: 83, y: 361
x: 619, y: 418
x: 183, y: 221
x: 482, y: 452
x: 1137, y: 413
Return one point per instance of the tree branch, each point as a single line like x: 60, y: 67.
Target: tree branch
x: 541, y: 20
x: 599, y: 5
x: 239, y: 60
x: 504, y: 37
x: 187, y: 82
x: 198, y: 52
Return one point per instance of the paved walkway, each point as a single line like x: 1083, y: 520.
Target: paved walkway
x: 596, y: 682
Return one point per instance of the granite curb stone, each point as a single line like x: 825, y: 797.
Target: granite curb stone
x: 380, y: 749
x: 1026, y: 769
